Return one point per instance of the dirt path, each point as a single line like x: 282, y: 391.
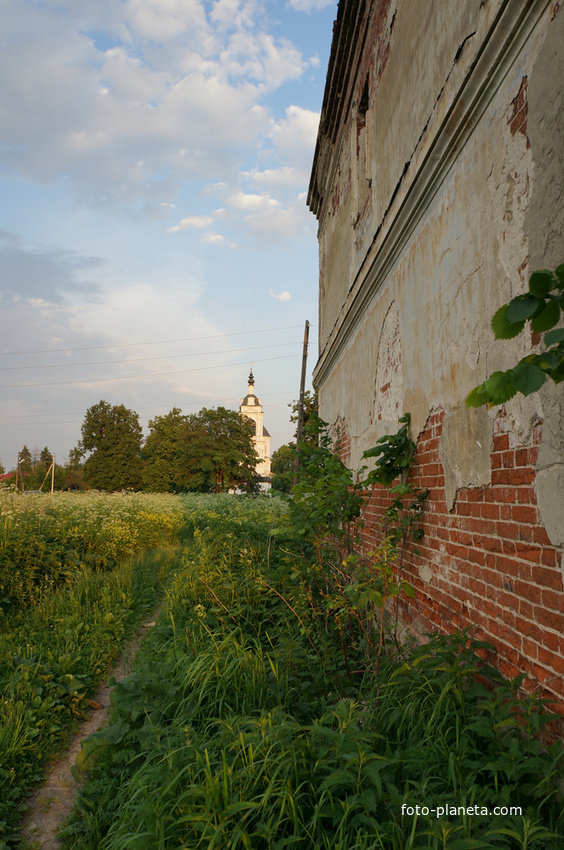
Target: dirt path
x: 51, y: 804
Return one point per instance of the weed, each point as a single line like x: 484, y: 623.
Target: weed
x: 241, y: 727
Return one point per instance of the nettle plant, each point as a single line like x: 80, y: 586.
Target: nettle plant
x: 542, y: 306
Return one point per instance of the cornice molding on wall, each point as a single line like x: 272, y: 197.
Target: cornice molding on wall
x: 349, y: 35
x: 456, y: 115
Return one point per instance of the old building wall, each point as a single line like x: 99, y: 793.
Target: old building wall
x: 462, y: 123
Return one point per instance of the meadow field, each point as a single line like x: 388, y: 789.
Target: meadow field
x: 256, y: 714
x: 77, y: 574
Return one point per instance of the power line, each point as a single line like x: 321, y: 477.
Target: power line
x: 154, y: 342
x: 134, y: 377
x: 80, y: 413
x: 216, y: 399
x: 145, y: 359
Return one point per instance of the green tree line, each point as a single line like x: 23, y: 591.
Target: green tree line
x: 211, y: 451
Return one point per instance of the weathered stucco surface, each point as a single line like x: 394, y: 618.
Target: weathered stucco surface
x: 438, y: 184
x: 469, y: 251
x: 464, y: 451
x: 544, y: 229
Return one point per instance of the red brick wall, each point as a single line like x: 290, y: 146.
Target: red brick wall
x: 341, y: 440
x: 492, y: 565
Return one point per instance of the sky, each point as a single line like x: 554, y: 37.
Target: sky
x: 154, y: 236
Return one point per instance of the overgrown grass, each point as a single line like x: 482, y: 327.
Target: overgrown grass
x: 242, y: 725
x: 47, y: 540
x: 79, y: 562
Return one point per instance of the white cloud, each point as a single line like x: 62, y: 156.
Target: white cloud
x: 281, y: 223
x: 213, y: 238
x: 191, y: 221
x: 163, y: 20
x: 283, y: 296
x: 284, y: 176
x: 311, y: 5
x: 297, y: 133
x: 161, y: 91
x: 245, y: 202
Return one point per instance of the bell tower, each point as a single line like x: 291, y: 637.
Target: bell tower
x: 252, y: 409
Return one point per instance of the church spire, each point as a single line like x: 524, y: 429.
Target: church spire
x: 251, y: 380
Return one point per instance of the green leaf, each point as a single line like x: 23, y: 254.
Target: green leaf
x: 547, y: 318
x: 527, y: 378
x: 375, y: 451
x: 502, y: 328
x: 408, y: 589
x: 477, y: 397
x: 547, y: 361
x: 541, y: 282
x: 557, y: 335
x: 401, y: 489
x: 559, y: 272
x: 378, y: 599
x: 499, y: 388
x: 557, y: 374
x: 521, y: 307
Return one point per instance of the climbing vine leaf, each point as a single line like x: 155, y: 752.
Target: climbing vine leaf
x: 543, y: 306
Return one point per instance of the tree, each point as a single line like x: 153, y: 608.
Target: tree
x: 310, y: 435
x: 25, y: 460
x: 282, y: 467
x: 40, y: 478
x: 46, y: 457
x: 75, y: 471
x: 112, y: 435
x: 217, y: 452
x: 161, y: 452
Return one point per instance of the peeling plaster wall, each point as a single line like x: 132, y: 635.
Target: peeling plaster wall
x: 463, y: 195
x: 470, y: 250
x: 544, y: 231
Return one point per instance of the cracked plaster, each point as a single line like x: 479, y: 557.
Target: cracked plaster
x: 544, y: 226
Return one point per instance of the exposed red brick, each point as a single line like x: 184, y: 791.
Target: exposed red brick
x: 525, y: 513
x: 517, y: 119
x: 492, y: 564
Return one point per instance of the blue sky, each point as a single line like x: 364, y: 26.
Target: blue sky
x: 154, y: 237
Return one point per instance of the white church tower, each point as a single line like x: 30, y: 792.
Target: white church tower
x: 252, y: 409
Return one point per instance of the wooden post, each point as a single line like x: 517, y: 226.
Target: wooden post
x: 53, y: 474
x: 300, y: 425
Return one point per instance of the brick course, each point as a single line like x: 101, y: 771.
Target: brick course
x: 491, y: 562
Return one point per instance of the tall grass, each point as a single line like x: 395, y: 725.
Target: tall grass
x: 241, y: 726
x: 46, y: 541
x: 54, y: 653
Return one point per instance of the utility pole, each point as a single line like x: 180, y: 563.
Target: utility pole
x: 53, y: 474
x: 300, y: 426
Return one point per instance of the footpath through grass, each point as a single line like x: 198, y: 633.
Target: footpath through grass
x: 76, y: 581
x: 247, y: 723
